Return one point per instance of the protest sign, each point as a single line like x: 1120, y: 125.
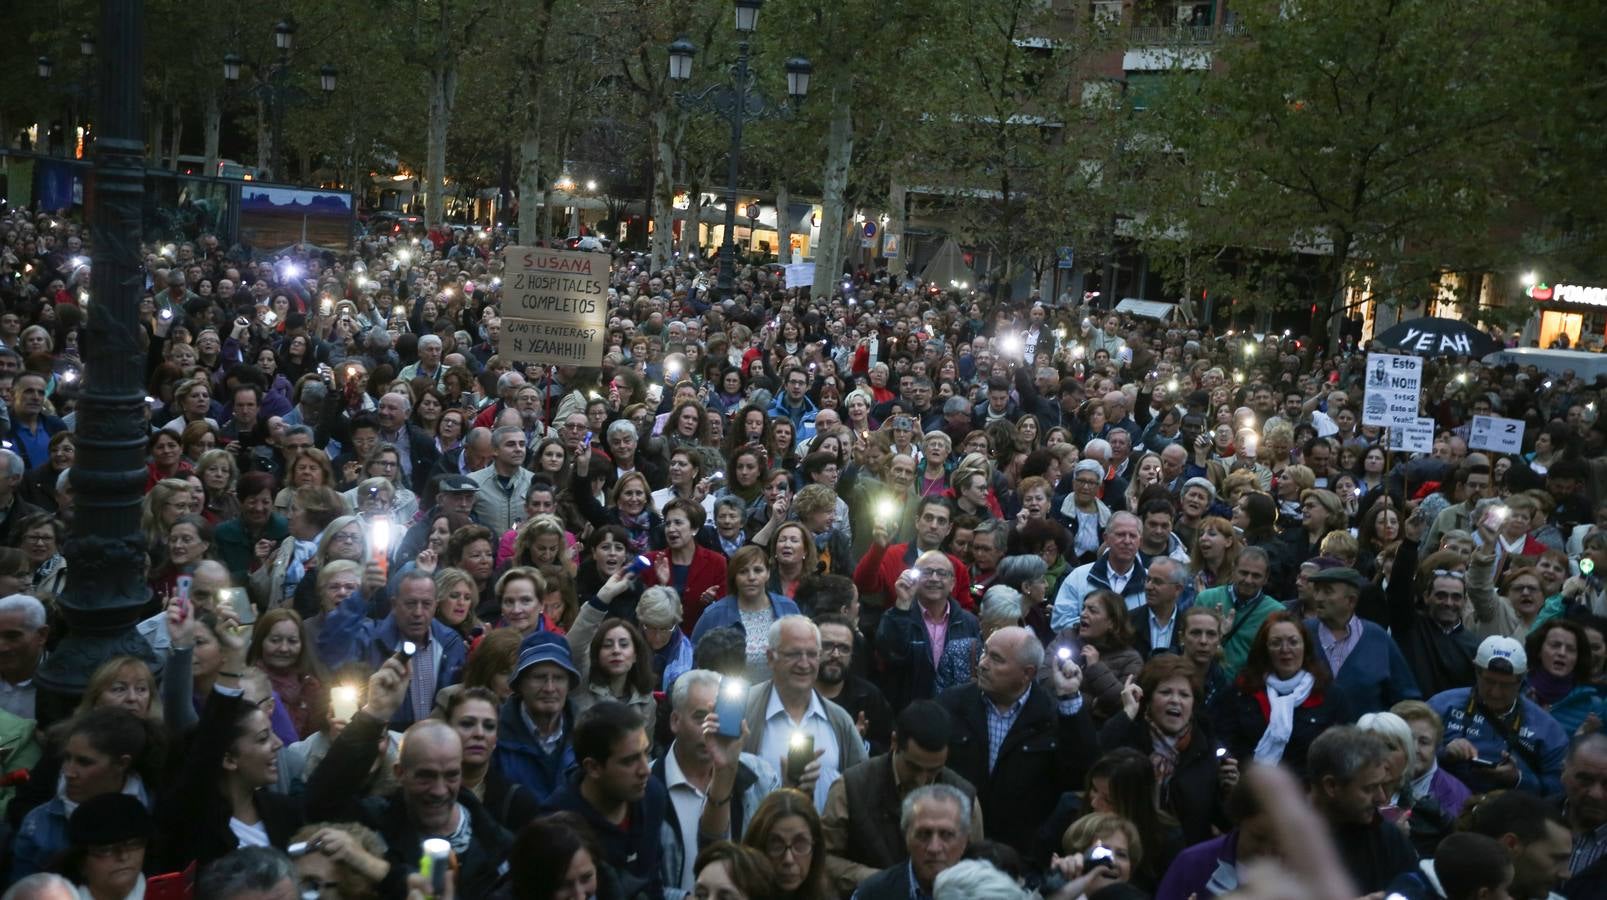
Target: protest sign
x: 554, y: 306
x: 1417, y: 437
x: 1497, y: 434
x: 1391, y: 390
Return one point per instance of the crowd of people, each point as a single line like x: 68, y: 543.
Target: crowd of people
x: 897, y: 593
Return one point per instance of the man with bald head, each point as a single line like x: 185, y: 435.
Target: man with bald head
x: 1019, y: 739
x: 430, y: 802
x: 927, y: 642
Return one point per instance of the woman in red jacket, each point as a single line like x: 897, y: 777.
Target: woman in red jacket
x: 696, y: 572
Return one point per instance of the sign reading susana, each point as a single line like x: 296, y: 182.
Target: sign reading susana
x: 554, y: 306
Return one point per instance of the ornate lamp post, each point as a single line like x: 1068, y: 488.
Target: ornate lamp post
x: 105, y: 552
x: 736, y: 101
x: 274, y: 90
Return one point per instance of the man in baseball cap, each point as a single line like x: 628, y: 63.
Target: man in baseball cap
x: 1495, y: 739
x: 1367, y: 666
x: 536, y: 721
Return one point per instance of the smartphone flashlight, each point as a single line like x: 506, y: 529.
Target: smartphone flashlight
x: 406, y: 651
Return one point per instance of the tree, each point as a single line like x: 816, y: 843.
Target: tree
x: 1384, y: 135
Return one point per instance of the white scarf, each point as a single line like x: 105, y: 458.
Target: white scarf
x: 1283, y: 695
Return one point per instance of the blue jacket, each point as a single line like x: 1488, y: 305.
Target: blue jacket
x: 633, y: 851
x: 802, y: 416
x: 1375, y: 675
x: 48, y: 427
x: 349, y: 634
x: 723, y: 613
x: 1086, y: 579
x: 42, y: 835
x: 1537, y: 745
x: 521, y: 759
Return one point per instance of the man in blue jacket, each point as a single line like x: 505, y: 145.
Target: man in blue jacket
x: 615, y: 793
x: 439, y: 655
x: 1495, y: 739
x: 534, y: 727
x: 1367, y: 666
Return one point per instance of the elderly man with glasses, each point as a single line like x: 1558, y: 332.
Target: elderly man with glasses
x: 927, y: 642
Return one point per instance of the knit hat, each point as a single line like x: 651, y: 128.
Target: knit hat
x: 545, y: 646
x: 108, y: 819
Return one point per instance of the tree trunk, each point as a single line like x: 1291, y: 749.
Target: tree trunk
x: 178, y: 136
x: 783, y: 223
x: 443, y: 93
x: 530, y: 179
x: 1336, y: 313
x: 834, y: 183
x: 158, y: 138
x: 896, y: 202
x: 264, y: 138
x: 664, y: 140
x: 212, y: 127
x: 694, y: 218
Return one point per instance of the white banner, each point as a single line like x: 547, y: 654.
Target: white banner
x: 1417, y: 437
x: 1497, y: 434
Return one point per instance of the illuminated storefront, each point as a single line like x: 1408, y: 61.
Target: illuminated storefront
x: 1575, y: 311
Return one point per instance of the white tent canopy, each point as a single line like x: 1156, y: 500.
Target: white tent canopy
x: 1149, y: 309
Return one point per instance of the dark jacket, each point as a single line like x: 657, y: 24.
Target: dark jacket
x: 1374, y: 676
x: 906, y: 652
x: 1239, y: 717
x: 1439, y: 660
x: 889, y: 884
x: 332, y: 796
x: 1139, y: 620
x: 859, y: 695
x: 1043, y: 754
x: 520, y: 758
x: 237, y: 546
x: 633, y: 851
x: 873, y: 836
x: 1374, y: 854
x: 1192, y: 795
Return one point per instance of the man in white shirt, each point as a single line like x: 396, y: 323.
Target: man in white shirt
x: 788, y: 704
x: 688, y: 771
x: 23, y: 630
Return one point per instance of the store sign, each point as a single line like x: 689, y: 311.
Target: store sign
x: 1580, y: 294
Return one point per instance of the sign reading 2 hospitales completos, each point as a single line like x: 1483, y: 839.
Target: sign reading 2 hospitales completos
x: 555, y: 306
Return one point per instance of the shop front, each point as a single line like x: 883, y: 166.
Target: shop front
x: 1576, y: 313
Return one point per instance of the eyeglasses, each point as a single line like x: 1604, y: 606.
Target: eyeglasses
x: 122, y: 848
x: 936, y: 574
x: 1450, y: 573
x: 836, y: 649
x: 775, y: 848
x: 1526, y: 588
x: 40, y: 538
x: 793, y: 656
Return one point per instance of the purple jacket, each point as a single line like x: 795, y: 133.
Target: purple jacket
x: 1449, y: 792
x: 1207, y: 869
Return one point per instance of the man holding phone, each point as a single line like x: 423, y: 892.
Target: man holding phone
x: 1496, y: 739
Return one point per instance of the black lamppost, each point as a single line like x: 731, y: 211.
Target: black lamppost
x: 275, y: 92
x: 736, y: 101
x: 79, y: 93
x: 105, y: 551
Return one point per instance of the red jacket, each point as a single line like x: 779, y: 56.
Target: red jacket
x: 881, y: 565
x: 707, y: 570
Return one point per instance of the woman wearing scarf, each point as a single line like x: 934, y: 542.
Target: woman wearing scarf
x: 1558, y: 681
x: 630, y: 507
x: 1279, y: 702
x: 1158, y: 719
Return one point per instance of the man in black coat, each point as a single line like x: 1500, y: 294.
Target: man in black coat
x: 1347, y: 772
x: 1021, y: 742
x: 417, y: 448
x: 430, y: 802
x: 936, y: 821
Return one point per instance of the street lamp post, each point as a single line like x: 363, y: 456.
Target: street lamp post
x: 275, y: 92
x: 78, y: 93
x: 736, y: 101
x: 105, y: 551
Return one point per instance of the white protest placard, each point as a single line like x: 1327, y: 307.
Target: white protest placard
x: 1417, y: 437
x: 800, y: 275
x: 554, y: 306
x: 1391, y: 389
x: 1496, y: 434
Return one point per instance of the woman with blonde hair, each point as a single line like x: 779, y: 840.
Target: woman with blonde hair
x: 1287, y: 489
x: 308, y: 468
x: 792, y: 558
x: 1109, y: 832
x: 542, y: 541
x: 456, y: 596
x: 1321, y: 512
x: 127, y: 682
x: 220, y: 474
x: 1215, y: 553
x: 280, y: 648
x: 1145, y: 472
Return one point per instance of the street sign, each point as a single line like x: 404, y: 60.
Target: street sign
x: 554, y: 306
x: 1417, y: 437
x: 1496, y: 434
x: 1391, y: 390
x: 870, y: 229
x: 890, y: 245
x: 1063, y: 258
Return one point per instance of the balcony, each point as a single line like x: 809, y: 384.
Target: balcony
x: 1179, y: 35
